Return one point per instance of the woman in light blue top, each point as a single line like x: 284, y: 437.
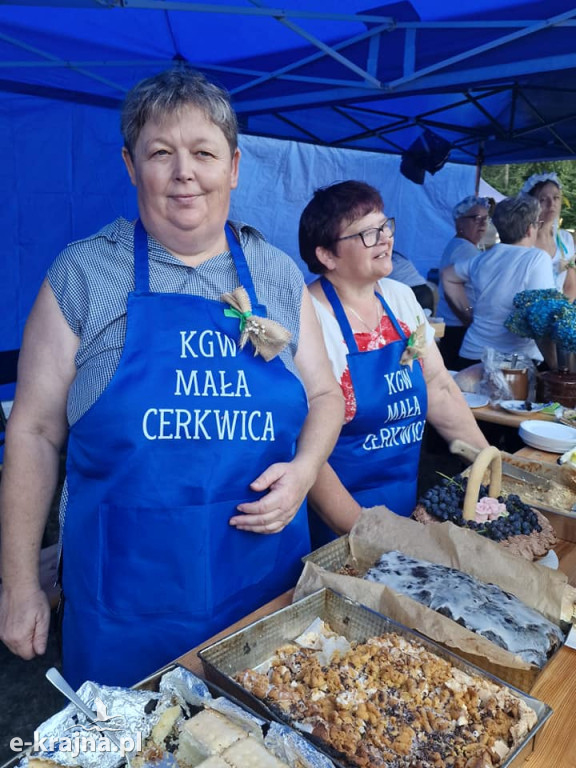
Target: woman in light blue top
x: 471, y: 221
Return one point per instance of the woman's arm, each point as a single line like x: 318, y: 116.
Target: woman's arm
x: 288, y: 483
x: 569, y: 287
x: 455, y: 294
x: 447, y: 409
x: 35, y: 433
x: 333, y: 503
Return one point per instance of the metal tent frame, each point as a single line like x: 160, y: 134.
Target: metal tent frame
x: 497, y: 85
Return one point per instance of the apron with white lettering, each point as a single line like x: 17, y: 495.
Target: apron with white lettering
x: 378, y: 451
x: 156, y: 468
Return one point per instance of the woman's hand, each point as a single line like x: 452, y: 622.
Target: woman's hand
x: 24, y: 622
x: 287, y: 485
x: 35, y: 433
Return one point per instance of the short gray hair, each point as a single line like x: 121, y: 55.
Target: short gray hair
x: 173, y: 90
x: 513, y: 215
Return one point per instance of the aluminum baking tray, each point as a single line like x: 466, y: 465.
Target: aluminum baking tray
x: 256, y: 644
x: 332, y: 557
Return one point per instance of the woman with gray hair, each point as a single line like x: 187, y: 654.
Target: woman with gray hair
x: 496, y: 276
x: 182, y: 357
x: 471, y: 217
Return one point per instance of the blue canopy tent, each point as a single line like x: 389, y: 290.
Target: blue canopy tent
x: 331, y: 88
x: 329, y: 72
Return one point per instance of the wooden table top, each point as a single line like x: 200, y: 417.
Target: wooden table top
x: 496, y: 415
x: 555, y: 745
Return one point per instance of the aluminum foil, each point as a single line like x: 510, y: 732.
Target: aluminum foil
x: 129, y: 715
x: 290, y: 747
x: 184, y: 687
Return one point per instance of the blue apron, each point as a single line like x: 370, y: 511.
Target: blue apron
x: 156, y: 468
x: 378, y: 451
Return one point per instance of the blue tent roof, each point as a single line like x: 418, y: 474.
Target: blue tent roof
x: 496, y: 79
x: 329, y: 74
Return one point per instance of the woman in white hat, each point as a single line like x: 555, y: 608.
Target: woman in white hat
x: 558, y: 243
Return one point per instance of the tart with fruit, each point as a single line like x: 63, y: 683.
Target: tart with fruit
x: 468, y: 503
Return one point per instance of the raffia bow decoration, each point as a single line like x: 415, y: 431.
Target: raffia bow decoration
x: 266, y: 336
x: 415, y: 347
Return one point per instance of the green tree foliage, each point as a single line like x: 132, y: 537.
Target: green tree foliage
x: 508, y: 179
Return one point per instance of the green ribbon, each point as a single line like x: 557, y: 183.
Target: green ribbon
x: 242, y: 316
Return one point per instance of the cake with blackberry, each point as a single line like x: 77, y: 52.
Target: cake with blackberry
x: 483, y: 608
x: 467, y: 503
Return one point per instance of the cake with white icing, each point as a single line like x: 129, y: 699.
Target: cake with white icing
x: 483, y: 608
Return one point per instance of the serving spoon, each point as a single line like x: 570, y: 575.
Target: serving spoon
x: 66, y: 689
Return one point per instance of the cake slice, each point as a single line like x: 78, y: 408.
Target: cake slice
x: 206, y: 734
x: 214, y: 762
x: 250, y: 753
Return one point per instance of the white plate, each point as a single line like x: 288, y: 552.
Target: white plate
x: 519, y: 406
x: 475, y: 401
x: 548, y: 436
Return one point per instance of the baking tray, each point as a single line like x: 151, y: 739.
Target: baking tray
x: 333, y: 556
x: 255, y: 644
x: 561, y: 517
x: 151, y: 683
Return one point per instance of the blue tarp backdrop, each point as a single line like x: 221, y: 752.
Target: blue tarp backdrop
x: 325, y: 90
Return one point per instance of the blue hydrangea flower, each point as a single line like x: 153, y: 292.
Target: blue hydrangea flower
x: 563, y: 330
x: 541, y: 313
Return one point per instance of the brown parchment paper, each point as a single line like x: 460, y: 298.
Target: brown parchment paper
x: 378, y: 530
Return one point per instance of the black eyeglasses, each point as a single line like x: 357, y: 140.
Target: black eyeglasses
x: 479, y: 218
x: 371, y: 237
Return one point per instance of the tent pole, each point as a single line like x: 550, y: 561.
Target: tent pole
x: 479, y: 164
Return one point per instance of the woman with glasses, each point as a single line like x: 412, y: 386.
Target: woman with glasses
x: 496, y: 276
x: 558, y: 243
x: 471, y: 219
x: 382, y: 352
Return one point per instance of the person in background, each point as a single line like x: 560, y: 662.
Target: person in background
x: 383, y: 353
x: 558, y: 243
x: 182, y: 357
x: 405, y: 272
x: 471, y: 217
x: 496, y: 276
